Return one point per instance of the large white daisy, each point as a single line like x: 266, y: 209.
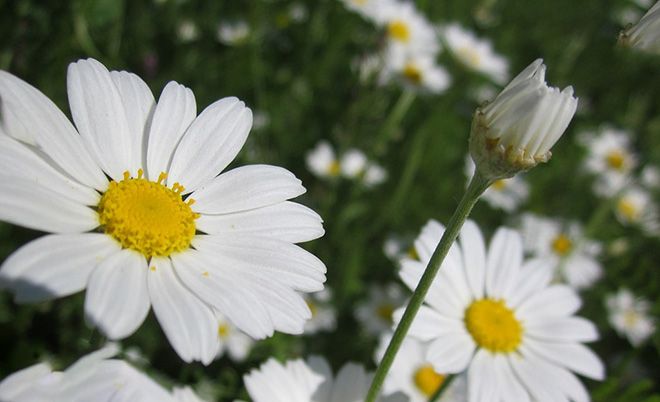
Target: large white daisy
x: 141, y: 217
x: 496, y: 316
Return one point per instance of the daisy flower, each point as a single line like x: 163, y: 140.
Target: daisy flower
x: 374, y: 175
x: 629, y: 316
x: 324, y: 315
x: 232, y: 340
x: 310, y: 381
x: 610, y: 158
x: 574, y: 256
x: 233, y: 33
x: 495, y: 315
x: 418, y: 72
x: 645, y: 35
x: 412, y: 375
x: 476, y: 54
x: 375, y: 313
x: 322, y: 161
x: 187, y: 31
x: 353, y: 163
x: 407, y: 29
x: 140, y: 217
x: 649, y: 177
x: 95, y: 377
x: 504, y: 194
x: 636, y: 207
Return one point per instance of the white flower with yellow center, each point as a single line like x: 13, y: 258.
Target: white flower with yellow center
x: 629, y: 316
x: 645, y: 35
x: 407, y: 29
x: 636, y: 207
x: 233, y: 32
x: 375, y: 313
x: 353, y: 163
x: 515, y: 131
x: 322, y: 161
x: 495, y: 315
x: 324, y: 315
x: 95, y: 377
x: 374, y: 175
x: 415, y: 71
x: 506, y: 194
x: 414, y: 376
x: 141, y: 217
x: 232, y: 340
x: 574, y: 257
x: 476, y: 54
x: 310, y: 381
x: 610, y: 158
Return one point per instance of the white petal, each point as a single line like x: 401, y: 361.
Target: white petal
x: 442, y: 298
x: 139, y: 104
x: 117, y: 299
x: 273, y: 259
x: 573, y: 356
x: 554, y: 301
x: 245, y: 188
x: 510, y: 387
x: 533, y: 277
x: 532, y: 376
x: 25, y: 107
x: 35, y: 207
x: 482, y: 386
x: 559, y: 329
x: 211, y: 142
x: 18, y: 383
x: 451, y: 353
x: 188, y: 323
x: 54, y: 266
x: 175, y: 111
x: 557, y: 380
x: 428, y: 324
x: 351, y: 384
x: 98, y: 112
x: 287, y: 221
x: 474, y: 258
x: 504, y: 262
x: 18, y: 161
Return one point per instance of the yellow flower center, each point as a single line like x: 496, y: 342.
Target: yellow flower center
x: 562, y: 245
x: 334, y: 169
x: 630, y: 318
x: 385, y: 311
x: 493, y: 326
x: 399, y: 30
x: 427, y: 380
x: 469, y: 55
x: 223, y: 330
x: 312, y: 308
x: 615, y: 159
x: 412, y: 253
x: 499, y: 185
x: 147, y: 216
x: 412, y: 73
x: 628, y: 209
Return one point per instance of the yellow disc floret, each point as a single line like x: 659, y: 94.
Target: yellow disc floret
x: 493, y: 326
x: 615, y: 159
x: 147, y: 216
x: 562, y: 245
x: 399, y: 30
x: 427, y: 380
x: 412, y: 73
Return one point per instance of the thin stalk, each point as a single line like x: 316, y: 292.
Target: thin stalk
x: 443, y: 387
x: 393, y: 121
x: 477, y: 186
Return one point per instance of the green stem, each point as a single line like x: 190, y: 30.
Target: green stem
x: 393, y: 121
x: 443, y: 387
x: 477, y: 186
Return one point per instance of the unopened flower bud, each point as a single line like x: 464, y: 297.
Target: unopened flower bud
x: 645, y: 35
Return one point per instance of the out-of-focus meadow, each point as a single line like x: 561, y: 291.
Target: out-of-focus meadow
x: 301, y: 66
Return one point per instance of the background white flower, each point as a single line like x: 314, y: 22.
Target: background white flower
x: 629, y: 316
x: 635, y: 206
x: 506, y: 194
x: 375, y: 313
x: 324, y: 315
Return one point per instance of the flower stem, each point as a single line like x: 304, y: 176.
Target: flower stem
x: 393, y: 121
x: 443, y: 387
x: 477, y: 186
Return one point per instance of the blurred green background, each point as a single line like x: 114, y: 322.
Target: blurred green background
x: 299, y: 73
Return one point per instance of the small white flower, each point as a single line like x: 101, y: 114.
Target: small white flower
x: 235, y: 342
x: 414, y: 376
x: 322, y: 161
x: 233, y: 32
x: 494, y: 314
x: 187, y: 31
x: 573, y: 256
x: 370, y: 10
x: 610, y: 158
x: 298, y: 12
x: 310, y: 381
x: 415, y: 71
x: 95, y: 377
x: 144, y: 216
x: 635, y: 206
x: 650, y: 177
x: 353, y: 163
x: 516, y: 131
x: 645, y: 35
x: 505, y: 194
x: 629, y: 316
x: 324, y: 315
x: 476, y: 54
x: 407, y: 29
x: 374, y: 175
x: 375, y: 313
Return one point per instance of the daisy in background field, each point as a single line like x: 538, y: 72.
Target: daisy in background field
x: 629, y: 316
x: 324, y: 315
x: 310, y: 381
x: 636, y: 207
x: 233, y: 32
x: 649, y: 177
x: 574, y: 257
x: 505, y: 194
x: 418, y: 72
x: 414, y: 376
x: 610, y: 158
x: 474, y: 53
x: 494, y: 314
x: 375, y: 313
x: 187, y: 31
x: 141, y: 217
x: 95, y: 377
x: 406, y: 29
x: 232, y: 341
x: 353, y: 164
